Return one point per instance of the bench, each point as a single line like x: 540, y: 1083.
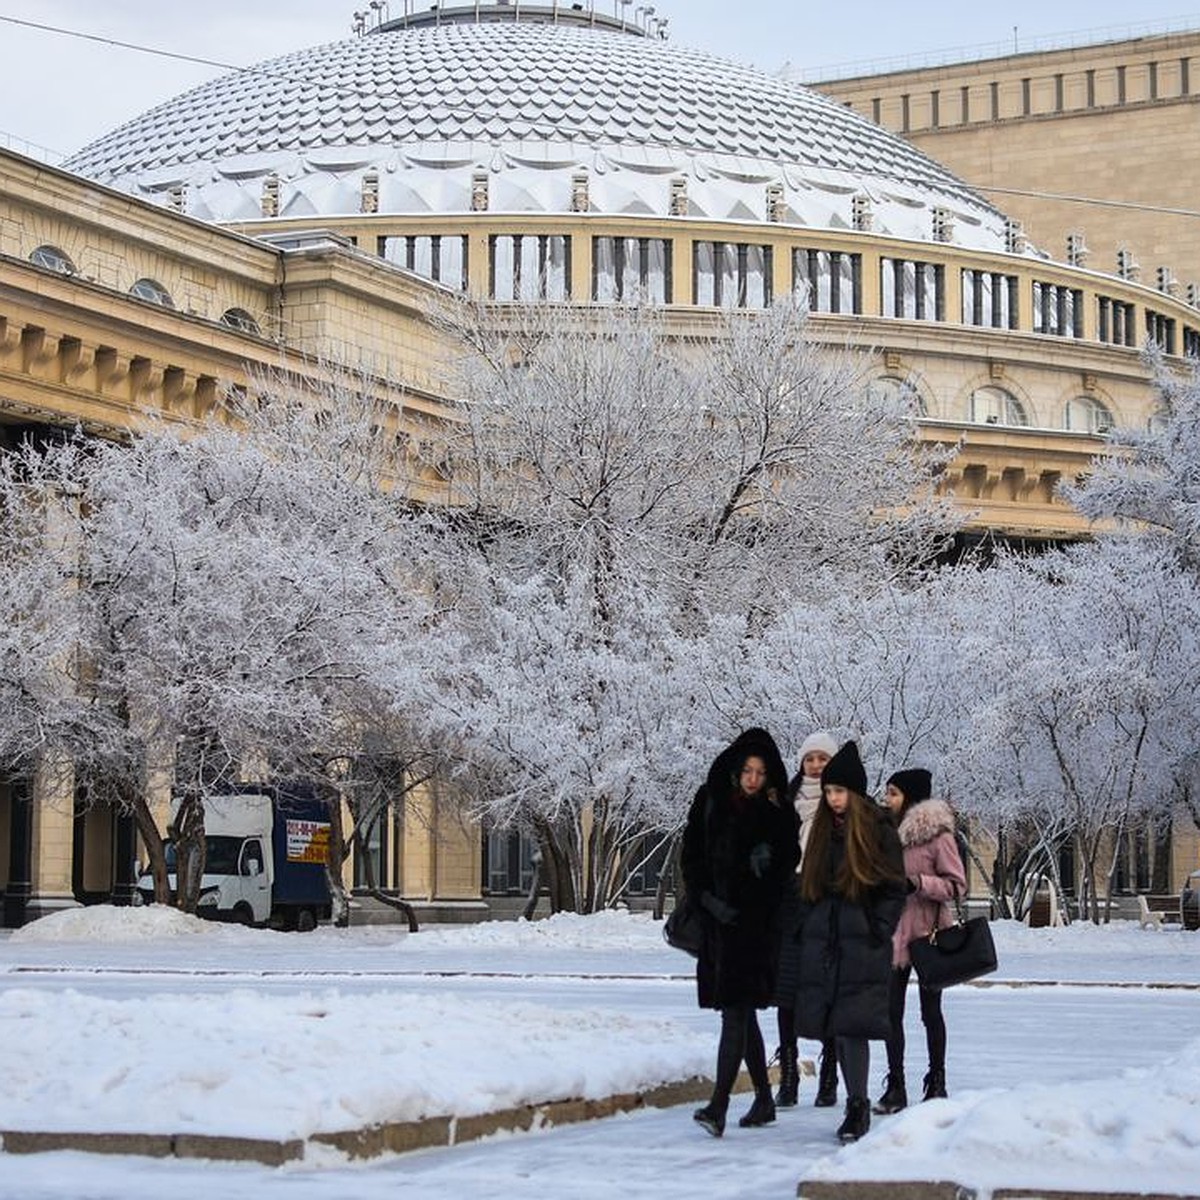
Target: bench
x: 1154, y: 911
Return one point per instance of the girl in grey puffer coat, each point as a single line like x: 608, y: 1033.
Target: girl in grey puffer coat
x: 934, y: 872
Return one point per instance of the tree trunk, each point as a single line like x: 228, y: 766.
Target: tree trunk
x: 188, y: 835
x: 339, y: 900
x: 373, y: 888
x: 156, y: 850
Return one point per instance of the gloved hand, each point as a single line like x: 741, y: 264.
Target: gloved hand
x: 760, y: 859
x: 726, y: 914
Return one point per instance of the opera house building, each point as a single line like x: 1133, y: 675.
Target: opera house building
x: 318, y: 206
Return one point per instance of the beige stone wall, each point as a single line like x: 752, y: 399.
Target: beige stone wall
x: 1099, y: 139
x: 79, y: 348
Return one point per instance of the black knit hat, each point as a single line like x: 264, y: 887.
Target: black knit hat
x: 845, y: 769
x: 916, y: 784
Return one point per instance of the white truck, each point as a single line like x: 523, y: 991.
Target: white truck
x: 265, y: 855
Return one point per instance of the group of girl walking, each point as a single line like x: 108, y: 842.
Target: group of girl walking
x: 811, y: 893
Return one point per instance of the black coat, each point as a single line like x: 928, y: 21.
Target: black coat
x: 742, y: 851
x: 846, y: 951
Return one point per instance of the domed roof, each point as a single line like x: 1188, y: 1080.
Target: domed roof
x: 533, y: 105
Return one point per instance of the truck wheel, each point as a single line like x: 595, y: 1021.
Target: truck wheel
x: 243, y: 914
x: 306, y: 921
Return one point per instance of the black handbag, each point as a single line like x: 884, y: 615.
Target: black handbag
x: 957, y: 954
x: 684, y: 928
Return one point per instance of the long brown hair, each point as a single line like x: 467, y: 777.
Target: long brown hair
x: 863, y: 866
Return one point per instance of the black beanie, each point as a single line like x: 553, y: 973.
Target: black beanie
x: 916, y: 783
x: 845, y: 769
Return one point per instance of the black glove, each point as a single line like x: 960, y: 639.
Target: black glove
x: 726, y: 914
x: 760, y: 859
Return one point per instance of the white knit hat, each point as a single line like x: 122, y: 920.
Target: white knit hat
x: 825, y: 742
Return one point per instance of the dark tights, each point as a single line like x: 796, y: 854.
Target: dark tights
x: 931, y: 1018
x: 741, y: 1040
x: 854, y: 1057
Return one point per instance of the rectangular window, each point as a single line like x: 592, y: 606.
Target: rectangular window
x: 830, y: 280
x: 912, y: 290
x: 1161, y: 330
x: 529, y: 266
x: 1152, y: 80
x: 1057, y: 310
x: 630, y: 269
x: 1116, y: 325
x: 1091, y: 88
x: 1191, y: 342
x: 1121, y: 85
x: 989, y: 299
x: 731, y: 274
x: 966, y: 104
x: 440, y: 257
x: 1185, y: 86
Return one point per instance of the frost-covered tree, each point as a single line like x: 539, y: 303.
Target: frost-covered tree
x: 44, y: 716
x: 245, y: 578
x: 617, y: 497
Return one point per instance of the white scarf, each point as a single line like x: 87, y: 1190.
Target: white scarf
x: 808, y: 796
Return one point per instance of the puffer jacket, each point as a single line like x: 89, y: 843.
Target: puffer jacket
x: 934, y: 866
x: 846, y: 952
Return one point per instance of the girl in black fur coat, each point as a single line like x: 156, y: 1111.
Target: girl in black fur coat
x: 739, y: 852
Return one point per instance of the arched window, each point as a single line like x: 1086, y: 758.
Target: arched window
x: 53, y: 259
x: 995, y: 406
x: 239, y: 318
x: 900, y: 392
x: 153, y: 291
x: 1087, y: 415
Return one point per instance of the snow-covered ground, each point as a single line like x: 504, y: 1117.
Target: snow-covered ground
x: 1076, y: 1066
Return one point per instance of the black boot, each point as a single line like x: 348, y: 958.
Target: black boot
x: 712, y: 1117
x: 762, y: 1111
x: 858, y: 1119
x: 827, y: 1080
x: 894, y: 1098
x: 789, y: 1077
x: 935, y: 1084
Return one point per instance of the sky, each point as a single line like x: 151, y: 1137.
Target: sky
x: 60, y: 90
x: 1077, y: 1065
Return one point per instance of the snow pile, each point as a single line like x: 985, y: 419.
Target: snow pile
x: 1141, y: 1125
x: 258, y: 1065
x: 104, y: 923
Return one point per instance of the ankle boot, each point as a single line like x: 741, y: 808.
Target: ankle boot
x: 935, y: 1084
x: 827, y: 1080
x: 711, y: 1117
x: 895, y: 1095
x: 858, y: 1119
x: 789, y: 1077
x: 762, y: 1111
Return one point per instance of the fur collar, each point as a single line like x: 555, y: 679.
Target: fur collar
x: 924, y: 821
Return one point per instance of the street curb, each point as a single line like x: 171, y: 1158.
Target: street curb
x: 878, y: 1189
x: 396, y: 1137
x: 875, y: 1189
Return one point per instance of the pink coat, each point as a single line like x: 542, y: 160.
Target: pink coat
x: 933, y: 864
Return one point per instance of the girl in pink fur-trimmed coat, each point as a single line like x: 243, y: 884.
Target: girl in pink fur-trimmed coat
x: 934, y: 871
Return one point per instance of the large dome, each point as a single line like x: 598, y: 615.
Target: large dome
x: 428, y: 108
